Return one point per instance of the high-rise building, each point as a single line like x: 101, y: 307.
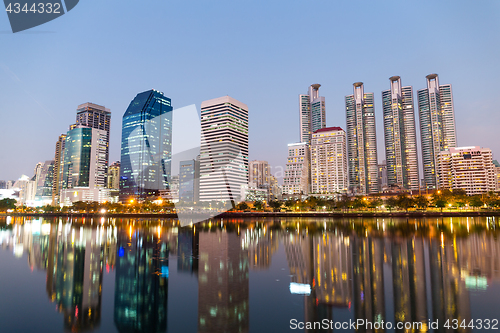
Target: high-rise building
x: 44, y: 184
x: 361, y: 141
x: 95, y: 116
x: 224, y: 149
x: 84, y: 166
x: 114, y: 176
x: 467, y: 168
x: 312, y: 113
x: 189, y: 175
x: 146, y: 147
x: 382, y: 176
x: 3, y: 184
x: 259, y: 173
x: 400, y: 136
x: 497, y: 175
x: 297, y: 177
x: 437, y: 125
x: 58, y: 168
x: 329, y: 161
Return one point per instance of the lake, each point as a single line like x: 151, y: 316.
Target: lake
x: 249, y: 275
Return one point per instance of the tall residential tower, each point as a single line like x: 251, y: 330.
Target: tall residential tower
x: 312, y: 113
x: 400, y: 136
x: 361, y: 141
x: 437, y: 125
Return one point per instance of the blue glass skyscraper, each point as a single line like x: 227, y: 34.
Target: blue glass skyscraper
x: 146, y: 149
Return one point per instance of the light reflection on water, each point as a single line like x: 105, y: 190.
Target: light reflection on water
x: 252, y: 275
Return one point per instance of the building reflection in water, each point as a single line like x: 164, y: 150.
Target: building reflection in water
x: 75, y: 259
x: 374, y: 274
x: 188, y: 250
x: 141, y: 284
x: 223, y: 299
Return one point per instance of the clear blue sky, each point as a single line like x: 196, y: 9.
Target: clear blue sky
x: 263, y: 53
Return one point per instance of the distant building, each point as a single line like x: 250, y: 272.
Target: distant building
x: 437, y: 125
x: 312, y: 113
x: 3, y: 185
x: 224, y: 149
x: 329, y: 161
x: 172, y: 194
x: 296, y: 180
x: 114, y: 176
x: 259, y: 173
x: 189, y: 175
x: 467, y: 168
x: 382, y: 176
x: 9, y: 184
x: 497, y: 175
x: 146, y: 147
x: 44, y: 184
x: 84, y: 166
x: 361, y: 141
x: 400, y: 136
x: 26, y: 187
x: 58, y: 169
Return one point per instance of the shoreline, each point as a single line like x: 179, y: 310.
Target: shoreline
x: 271, y: 214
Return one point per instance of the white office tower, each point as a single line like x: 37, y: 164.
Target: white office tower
x: 312, y: 113
x: 467, y: 168
x: 400, y: 136
x: 224, y: 149
x: 329, y: 161
x: 437, y: 125
x: 361, y: 142
x: 296, y: 180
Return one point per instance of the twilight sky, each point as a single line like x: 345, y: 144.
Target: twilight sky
x: 263, y: 53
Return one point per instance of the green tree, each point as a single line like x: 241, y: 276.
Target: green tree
x: 374, y: 203
x: 275, y: 205
x: 390, y: 203
x: 404, y: 202
x: 258, y: 205
x: 242, y: 206
x: 476, y: 201
x: 359, y: 202
x: 6, y: 204
x: 421, y: 201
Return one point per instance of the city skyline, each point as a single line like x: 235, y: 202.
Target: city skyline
x: 49, y: 104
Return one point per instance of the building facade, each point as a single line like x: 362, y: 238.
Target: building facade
x: 146, y: 147
x: 114, y: 176
x: 189, y: 176
x: 224, y: 149
x: 84, y: 166
x: 259, y: 173
x: 58, y: 168
x: 98, y: 117
x: 297, y: 176
x: 437, y: 125
x: 400, y: 136
x: 361, y: 141
x: 312, y: 113
x: 467, y: 168
x: 329, y: 161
